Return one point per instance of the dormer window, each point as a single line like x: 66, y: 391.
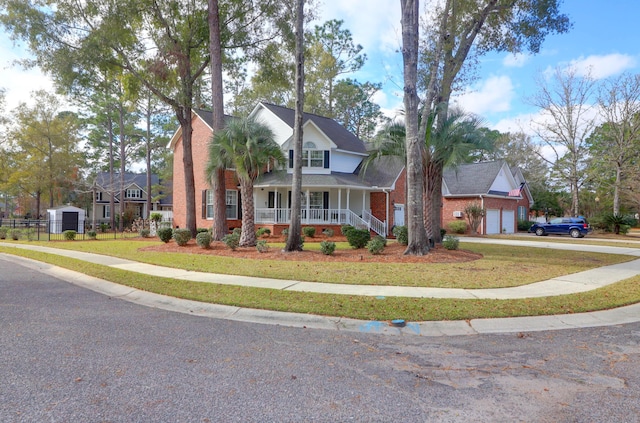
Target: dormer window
x: 312, y: 157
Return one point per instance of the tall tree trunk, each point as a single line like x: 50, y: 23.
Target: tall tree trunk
x: 418, y: 242
x: 248, y: 234
x: 111, y: 190
x: 148, y: 159
x: 295, y: 226
x: 183, y: 113
x: 616, y: 190
x: 219, y: 229
x: 123, y: 163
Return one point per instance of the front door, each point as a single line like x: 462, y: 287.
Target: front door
x: 398, y: 214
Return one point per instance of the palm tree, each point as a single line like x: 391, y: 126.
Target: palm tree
x: 447, y: 145
x: 247, y: 146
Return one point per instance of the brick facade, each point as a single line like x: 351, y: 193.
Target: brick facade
x: 200, y: 151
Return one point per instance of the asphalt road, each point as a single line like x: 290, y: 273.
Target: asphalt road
x: 72, y: 355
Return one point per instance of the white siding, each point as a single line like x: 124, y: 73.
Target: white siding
x: 281, y: 131
x: 344, y: 162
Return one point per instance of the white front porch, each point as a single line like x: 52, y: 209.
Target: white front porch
x: 321, y: 217
x: 321, y: 205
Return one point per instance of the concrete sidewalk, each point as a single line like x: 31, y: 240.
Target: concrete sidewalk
x: 578, y: 282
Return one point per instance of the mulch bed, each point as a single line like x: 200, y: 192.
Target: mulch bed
x: 393, y: 253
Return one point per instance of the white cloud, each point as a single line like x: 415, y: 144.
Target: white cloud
x: 494, y: 95
x: 517, y: 60
x: 603, y: 66
x: 375, y: 24
x: 19, y: 83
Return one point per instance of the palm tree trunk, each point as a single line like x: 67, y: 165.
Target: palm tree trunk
x: 248, y: 234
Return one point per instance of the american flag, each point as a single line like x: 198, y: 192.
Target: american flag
x: 516, y: 192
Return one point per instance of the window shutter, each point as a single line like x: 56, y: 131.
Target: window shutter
x: 239, y: 206
x: 325, y: 200
x: 326, y: 159
x: 290, y: 159
x: 204, y: 203
x: 289, y: 199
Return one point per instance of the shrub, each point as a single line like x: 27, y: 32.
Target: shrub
x: 475, y: 213
x: 69, y: 235
x: 232, y: 240
x: 16, y: 234
x: 458, y: 226
x: 262, y: 246
x: 309, y: 231
x: 203, y: 239
x: 92, y: 234
x: 182, y: 236
x: 376, y: 245
x: 31, y: 234
x: 104, y: 227
x: 285, y: 232
x: 327, y: 247
x: 3, y: 232
x: 402, y: 234
x: 358, y: 238
x: 524, y: 225
x: 165, y: 234
x: 145, y: 233
x: 156, y: 217
x: 328, y: 232
x: 201, y: 230
x: 345, y: 228
x: 450, y: 242
x: 382, y: 239
x: 616, y: 223
x: 263, y: 231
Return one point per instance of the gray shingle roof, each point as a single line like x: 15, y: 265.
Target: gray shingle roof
x: 344, y: 139
x: 130, y: 178
x: 207, y: 116
x: 383, y: 172
x: 335, y: 179
x: 472, y: 178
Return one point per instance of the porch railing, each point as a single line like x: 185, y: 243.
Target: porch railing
x: 323, y: 216
x: 375, y: 224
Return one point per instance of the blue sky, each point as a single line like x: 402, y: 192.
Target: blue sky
x: 604, y: 39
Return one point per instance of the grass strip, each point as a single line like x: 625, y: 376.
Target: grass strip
x: 358, y: 307
x: 501, y: 267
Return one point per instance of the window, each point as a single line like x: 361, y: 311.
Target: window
x: 209, y: 204
x: 106, y: 212
x: 522, y: 213
x: 232, y: 204
x: 133, y: 193
x: 99, y: 196
x: 311, y: 157
x: 316, y: 200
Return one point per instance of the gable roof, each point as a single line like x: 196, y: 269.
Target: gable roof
x: 337, y: 133
x: 382, y: 172
x: 473, y: 178
x: 130, y: 178
x: 205, y: 115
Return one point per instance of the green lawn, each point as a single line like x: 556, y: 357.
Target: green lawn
x: 502, y: 266
x: 511, y: 262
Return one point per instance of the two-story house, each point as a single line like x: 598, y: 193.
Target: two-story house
x: 336, y: 187
x: 135, y: 195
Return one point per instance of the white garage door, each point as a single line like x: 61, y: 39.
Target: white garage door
x: 508, y: 221
x: 493, y: 222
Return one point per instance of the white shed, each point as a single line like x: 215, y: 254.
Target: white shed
x: 66, y: 218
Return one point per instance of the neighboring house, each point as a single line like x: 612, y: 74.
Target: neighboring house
x: 135, y: 195
x: 500, y: 190
x: 336, y: 189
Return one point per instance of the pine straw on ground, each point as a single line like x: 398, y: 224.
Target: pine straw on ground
x: 393, y: 253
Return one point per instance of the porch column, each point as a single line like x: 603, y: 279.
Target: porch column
x: 340, y: 206
x: 308, y: 205
x: 348, y: 197
x: 275, y: 205
x: 364, y: 201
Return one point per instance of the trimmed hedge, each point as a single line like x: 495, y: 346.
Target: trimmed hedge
x: 182, y: 236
